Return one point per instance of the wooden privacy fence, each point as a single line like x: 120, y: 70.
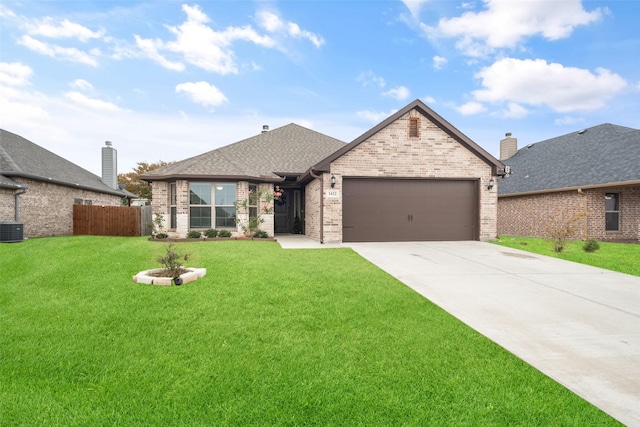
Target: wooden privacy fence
x: 108, y: 220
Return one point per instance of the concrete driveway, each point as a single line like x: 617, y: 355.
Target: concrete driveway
x: 579, y: 325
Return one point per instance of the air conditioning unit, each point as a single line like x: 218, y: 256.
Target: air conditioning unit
x: 11, y: 232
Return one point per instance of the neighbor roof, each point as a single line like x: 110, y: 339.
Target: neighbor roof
x: 20, y: 157
x: 435, y: 118
x: 598, y: 156
x: 269, y: 156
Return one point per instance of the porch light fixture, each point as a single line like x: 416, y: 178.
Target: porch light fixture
x: 491, y: 184
x: 333, y: 181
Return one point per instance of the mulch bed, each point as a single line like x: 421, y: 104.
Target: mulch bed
x: 212, y: 239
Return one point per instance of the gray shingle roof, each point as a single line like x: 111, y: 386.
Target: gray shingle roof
x: 288, y: 150
x: 600, y: 155
x: 20, y: 157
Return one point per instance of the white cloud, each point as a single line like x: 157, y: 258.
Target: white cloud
x: 202, y: 93
x: 400, y: 93
x: 514, y: 111
x: 414, y: 6
x: 373, y: 116
x: 471, y: 108
x: 202, y: 46
x: 536, y: 82
x: 65, y: 29
x: 368, y: 77
x: 65, y: 53
x: 94, y: 104
x: 505, y: 24
x: 81, y: 85
x: 439, y: 62
x: 14, y: 73
x: 274, y: 24
x: 428, y: 100
x: 150, y: 50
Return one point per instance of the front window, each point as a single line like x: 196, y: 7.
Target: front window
x: 225, y: 205
x: 212, y: 204
x: 199, y: 205
x: 612, y: 211
x: 173, y: 204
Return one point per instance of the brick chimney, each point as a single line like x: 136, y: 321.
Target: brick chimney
x: 508, y: 146
x: 110, y: 165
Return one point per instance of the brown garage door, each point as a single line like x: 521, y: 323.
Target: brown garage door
x: 387, y: 210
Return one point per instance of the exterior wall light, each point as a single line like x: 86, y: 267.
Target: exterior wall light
x: 333, y: 181
x: 491, y: 184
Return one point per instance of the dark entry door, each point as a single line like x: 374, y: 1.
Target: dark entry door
x: 282, y: 212
x: 378, y: 210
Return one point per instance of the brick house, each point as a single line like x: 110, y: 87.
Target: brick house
x: 591, y: 176
x: 412, y: 177
x: 39, y: 188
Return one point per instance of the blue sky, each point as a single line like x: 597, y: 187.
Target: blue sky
x: 167, y: 80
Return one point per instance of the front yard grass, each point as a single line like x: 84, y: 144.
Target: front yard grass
x: 267, y: 337
x: 621, y: 257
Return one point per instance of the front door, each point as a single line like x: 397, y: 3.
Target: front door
x: 288, y: 212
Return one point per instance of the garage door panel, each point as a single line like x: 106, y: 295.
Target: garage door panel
x: 409, y: 210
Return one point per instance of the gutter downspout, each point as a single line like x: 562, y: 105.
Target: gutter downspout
x: 15, y: 204
x: 321, y: 203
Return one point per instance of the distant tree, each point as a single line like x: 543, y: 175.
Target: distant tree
x: 134, y: 184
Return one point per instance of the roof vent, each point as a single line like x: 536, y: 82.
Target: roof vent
x: 530, y: 145
x: 580, y: 132
x: 265, y: 128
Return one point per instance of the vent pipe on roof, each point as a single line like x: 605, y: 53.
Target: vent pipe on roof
x: 265, y: 128
x: 110, y: 165
x: 508, y: 146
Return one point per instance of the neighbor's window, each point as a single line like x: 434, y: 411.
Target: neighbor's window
x: 612, y: 211
x: 253, y: 200
x: 199, y: 205
x: 88, y: 202
x: 77, y: 201
x: 413, y: 127
x: 173, y: 197
x: 225, y: 205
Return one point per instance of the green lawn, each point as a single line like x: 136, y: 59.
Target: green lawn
x: 267, y: 337
x: 622, y: 257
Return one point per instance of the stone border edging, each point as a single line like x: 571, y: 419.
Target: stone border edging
x: 192, y: 275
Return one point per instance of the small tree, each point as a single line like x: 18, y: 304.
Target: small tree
x: 157, y: 227
x: 562, y: 226
x: 134, y: 184
x: 172, y: 261
x: 262, y: 196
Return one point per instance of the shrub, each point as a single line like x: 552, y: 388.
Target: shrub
x: 211, y: 233
x: 261, y: 234
x: 172, y: 261
x: 591, y: 245
x: 224, y: 233
x: 161, y: 236
x: 561, y: 226
x: 194, y: 234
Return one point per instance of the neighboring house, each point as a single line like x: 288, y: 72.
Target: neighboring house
x: 412, y: 177
x: 39, y: 188
x: 592, y: 175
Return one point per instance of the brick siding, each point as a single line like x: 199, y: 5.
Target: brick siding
x: 529, y: 215
x: 392, y: 153
x: 46, y: 209
x: 312, y: 195
x: 160, y: 205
